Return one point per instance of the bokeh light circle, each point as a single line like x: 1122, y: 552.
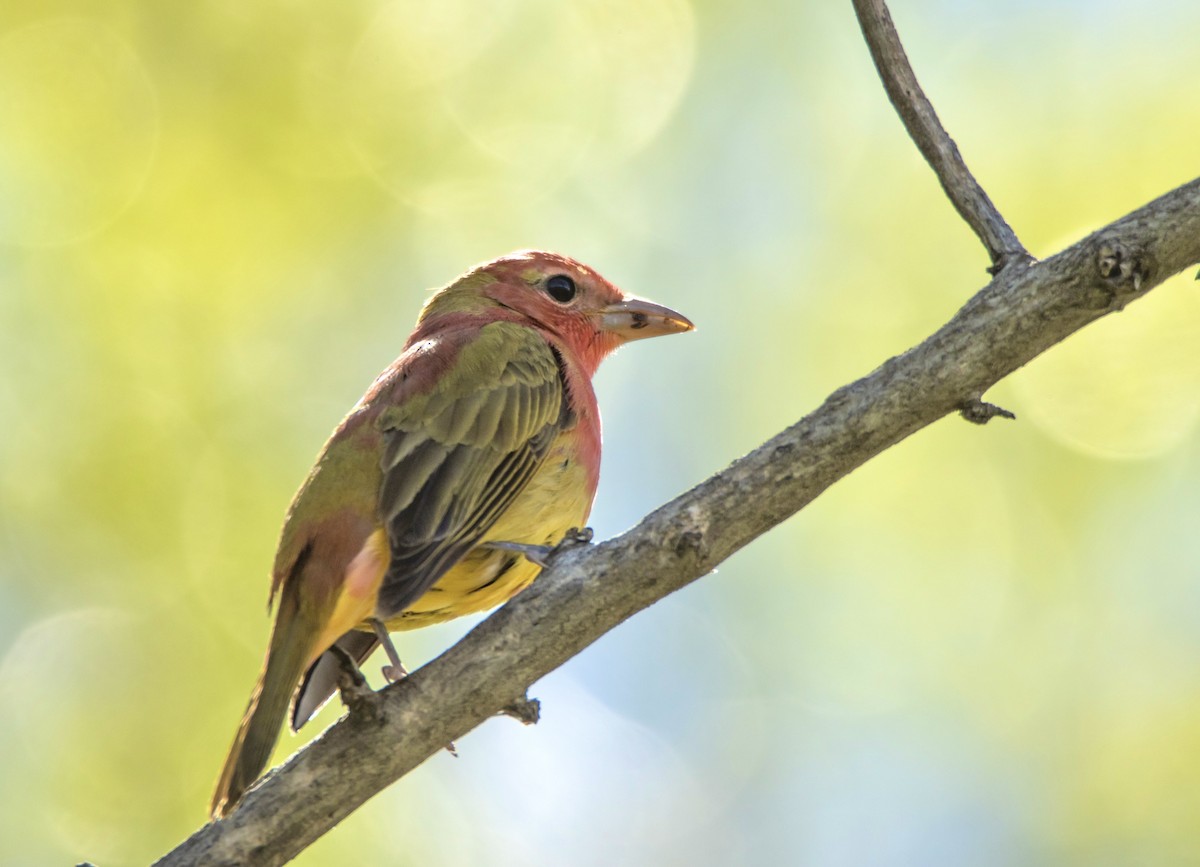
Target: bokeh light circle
x: 447, y: 117
x: 1126, y: 387
x: 80, y: 122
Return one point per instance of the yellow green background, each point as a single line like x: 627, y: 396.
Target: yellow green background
x: 217, y: 223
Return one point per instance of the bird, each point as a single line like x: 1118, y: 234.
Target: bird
x: 470, y: 456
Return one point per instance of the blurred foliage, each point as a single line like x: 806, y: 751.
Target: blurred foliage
x: 217, y: 223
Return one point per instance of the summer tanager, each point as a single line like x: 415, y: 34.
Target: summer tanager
x: 483, y: 433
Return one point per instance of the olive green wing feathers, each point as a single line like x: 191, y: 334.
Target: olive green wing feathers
x: 458, y: 454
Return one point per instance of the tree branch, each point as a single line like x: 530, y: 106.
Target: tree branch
x: 588, y: 591
x: 1027, y: 308
x: 931, y: 138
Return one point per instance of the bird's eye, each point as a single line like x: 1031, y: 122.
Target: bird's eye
x: 561, y: 288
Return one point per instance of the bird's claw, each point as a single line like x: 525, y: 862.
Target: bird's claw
x: 577, y: 536
x: 395, y: 671
x: 356, y: 693
x: 392, y: 673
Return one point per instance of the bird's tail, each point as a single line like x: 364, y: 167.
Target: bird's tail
x: 321, y: 680
x: 287, y: 657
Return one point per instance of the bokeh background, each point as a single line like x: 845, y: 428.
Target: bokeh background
x: 217, y: 223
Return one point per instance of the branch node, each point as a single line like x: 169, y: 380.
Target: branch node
x: 977, y: 411
x: 524, y: 710
x: 1123, y: 267
x: 690, y: 542
x: 1007, y: 258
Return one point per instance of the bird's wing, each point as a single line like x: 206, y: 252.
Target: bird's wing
x: 456, y: 456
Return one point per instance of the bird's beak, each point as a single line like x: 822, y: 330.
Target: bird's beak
x: 635, y: 318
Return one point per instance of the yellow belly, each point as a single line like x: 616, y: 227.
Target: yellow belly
x: 557, y: 498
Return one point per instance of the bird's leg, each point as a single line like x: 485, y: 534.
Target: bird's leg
x: 541, y: 554
x: 396, y: 670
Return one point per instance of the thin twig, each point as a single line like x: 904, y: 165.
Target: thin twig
x: 977, y: 411
x: 931, y: 137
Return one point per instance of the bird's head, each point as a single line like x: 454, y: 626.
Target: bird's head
x: 560, y: 295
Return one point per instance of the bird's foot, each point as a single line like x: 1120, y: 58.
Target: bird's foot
x: 395, y: 671
x: 356, y: 693
x: 542, y: 554
x: 576, y: 536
